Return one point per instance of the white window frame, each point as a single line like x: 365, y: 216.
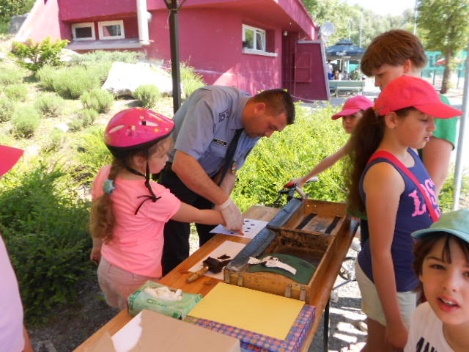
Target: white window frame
x: 259, y: 39
x: 101, y: 26
x: 83, y: 25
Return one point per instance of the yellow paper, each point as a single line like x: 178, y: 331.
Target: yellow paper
x: 252, y: 310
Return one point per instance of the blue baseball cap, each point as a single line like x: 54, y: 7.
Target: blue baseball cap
x: 453, y: 222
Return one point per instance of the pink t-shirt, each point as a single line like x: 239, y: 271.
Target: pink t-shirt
x: 137, y: 243
x: 11, y: 308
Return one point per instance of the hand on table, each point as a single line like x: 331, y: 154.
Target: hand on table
x: 232, y: 215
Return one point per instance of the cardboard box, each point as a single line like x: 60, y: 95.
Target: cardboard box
x: 151, y: 331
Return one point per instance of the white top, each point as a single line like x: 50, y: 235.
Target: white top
x: 426, y: 332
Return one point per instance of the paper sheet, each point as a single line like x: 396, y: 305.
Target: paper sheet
x: 251, y: 228
x: 253, y: 310
x: 228, y: 248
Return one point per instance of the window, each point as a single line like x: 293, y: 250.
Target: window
x: 111, y: 30
x: 83, y: 31
x: 254, y: 38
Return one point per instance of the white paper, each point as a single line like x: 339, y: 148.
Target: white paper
x: 251, y: 228
x: 228, y: 248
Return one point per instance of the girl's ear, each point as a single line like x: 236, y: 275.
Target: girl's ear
x: 408, y: 66
x: 391, y: 119
x: 139, y: 160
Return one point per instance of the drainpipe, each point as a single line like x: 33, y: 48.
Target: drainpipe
x: 143, y: 18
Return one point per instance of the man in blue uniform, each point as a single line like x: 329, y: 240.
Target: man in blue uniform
x: 201, y: 171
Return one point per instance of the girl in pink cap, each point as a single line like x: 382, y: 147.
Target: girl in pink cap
x: 351, y: 113
x: 129, y: 210
x: 389, y: 183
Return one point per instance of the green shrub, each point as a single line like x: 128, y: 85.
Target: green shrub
x: 84, y: 118
x: 290, y: 154
x: 97, y: 99
x: 8, y: 77
x: 191, y: 81
x: 44, y: 226
x: 7, y: 107
x: 25, y: 121
x: 17, y: 92
x: 33, y: 55
x: 54, y: 141
x: 72, y: 82
x: 148, y: 95
x: 49, y: 105
x: 100, y: 56
x: 46, y: 76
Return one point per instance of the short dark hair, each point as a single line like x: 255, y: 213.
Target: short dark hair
x: 393, y: 48
x: 278, y: 101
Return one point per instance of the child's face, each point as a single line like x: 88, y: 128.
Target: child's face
x: 386, y: 73
x: 349, y: 122
x: 415, y: 129
x: 446, y: 285
x: 158, y: 159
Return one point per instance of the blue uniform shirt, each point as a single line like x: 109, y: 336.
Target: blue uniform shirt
x: 206, y: 123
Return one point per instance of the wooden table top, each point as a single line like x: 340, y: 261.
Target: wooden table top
x: 178, y: 276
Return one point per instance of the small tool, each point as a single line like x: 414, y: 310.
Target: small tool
x: 210, y: 264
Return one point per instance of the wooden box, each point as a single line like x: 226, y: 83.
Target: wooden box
x: 305, y: 229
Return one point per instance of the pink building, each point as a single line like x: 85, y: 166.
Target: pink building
x: 250, y: 44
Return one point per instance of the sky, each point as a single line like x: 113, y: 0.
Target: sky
x: 384, y: 7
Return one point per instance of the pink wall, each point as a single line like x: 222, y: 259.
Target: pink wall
x: 41, y: 23
x: 216, y: 49
x: 76, y: 10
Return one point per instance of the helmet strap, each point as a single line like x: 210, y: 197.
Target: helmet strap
x: 152, y: 195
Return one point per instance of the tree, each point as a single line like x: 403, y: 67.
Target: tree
x: 443, y: 26
x: 9, y: 8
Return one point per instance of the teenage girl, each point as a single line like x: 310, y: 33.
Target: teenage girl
x: 389, y: 183
x: 129, y: 210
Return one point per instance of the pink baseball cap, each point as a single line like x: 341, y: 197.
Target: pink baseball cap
x: 408, y: 91
x: 354, y: 105
x: 9, y: 157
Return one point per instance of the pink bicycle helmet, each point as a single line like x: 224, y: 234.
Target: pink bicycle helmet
x: 136, y: 129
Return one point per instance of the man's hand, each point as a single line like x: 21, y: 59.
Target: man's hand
x: 232, y: 215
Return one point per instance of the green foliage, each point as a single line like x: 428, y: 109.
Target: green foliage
x: 447, y: 32
x: 7, y: 107
x: 44, y: 227
x: 97, y: 99
x: 9, y: 8
x: 54, y: 141
x: 12, y: 76
x: 33, y: 56
x: 148, y: 95
x: 72, y: 82
x: 85, y: 118
x: 46, y: 76
x: 17, y: 92
x: 290, y: 154
x: 50, y: 105
x: 191, y: 80
x: 25, y: 121
x: 100, y: 56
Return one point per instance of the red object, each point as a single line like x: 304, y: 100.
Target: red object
x: 408, y: 91
x: 136, y: 128
x: 353, y: 105
x: 9, y: 157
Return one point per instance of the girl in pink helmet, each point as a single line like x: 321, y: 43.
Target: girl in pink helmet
x: 129, y: 210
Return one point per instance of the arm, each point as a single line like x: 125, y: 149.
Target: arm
x: 323, y: 165
x: 436, y: 157
x: 195, y: 178
x: 188, y: 213
x: 383, y: 186
x: 27, y: 342
x: 96, y: 250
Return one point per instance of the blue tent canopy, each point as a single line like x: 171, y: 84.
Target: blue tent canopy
x: 344, y: 49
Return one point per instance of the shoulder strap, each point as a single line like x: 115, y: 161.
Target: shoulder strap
x: 391, y: 157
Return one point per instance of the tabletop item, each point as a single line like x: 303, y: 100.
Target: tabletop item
x: 215, y: 265
x: 162, y: 299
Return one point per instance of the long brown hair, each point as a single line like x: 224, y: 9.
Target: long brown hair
x: 365, y: 139
x: 102, y: 217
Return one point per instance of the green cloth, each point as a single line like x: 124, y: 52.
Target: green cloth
x: 304, y: 270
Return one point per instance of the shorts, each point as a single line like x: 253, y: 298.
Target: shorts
x: 117, y: 284
x: 371, y: 304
